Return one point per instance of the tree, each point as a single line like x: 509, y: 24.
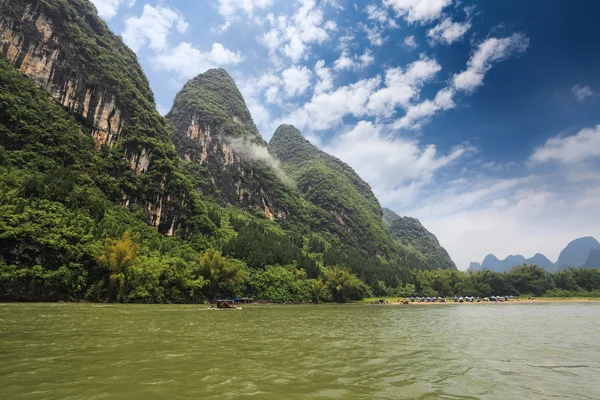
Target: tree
x: 344, y: 285
x: 318, y: 289
x: 118, y: 256
x: 225, y: 276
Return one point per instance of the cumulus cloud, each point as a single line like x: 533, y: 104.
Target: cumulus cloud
x: 498, y: 215
x: 153, y: 28
x: 584, y: 145
x: 582, y: 92
x: 107, y: 9
x: 379, y: 15
x: 388, y: 161
x: 489, y: 52
x: 230, y: 9
x: 296, y: 80
x: 410, y: 42
x: 418, y: 10
x: 448, y: 31
x: 346, y: 61
x: 374, y: 35
x: 401, y: 87
x: 196, y: 61
x: 325, y: 76
x: 290, y: 36
x: 366, y: 97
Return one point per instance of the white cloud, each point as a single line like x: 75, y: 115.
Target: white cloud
x: 326, y: 110
x: 107, y: 9
x: 377, y: 14
x: 346, y: 61
x: 385, y: 161
x: 153, y: 28
x: 571, y: 149
x: 374, y: 35
x: 196, y: 61
x: 325, y: 77
x: 401, y: 87
x: 410, y: 42
x: 448, y: 32
x: 582, y: 92
x: 296, y: 80
x: 418, y: 10
x: 533, y: 216
x: 366, y: 97
x: 490, y: 51
x: 291, y: 35
x: 229, y: 9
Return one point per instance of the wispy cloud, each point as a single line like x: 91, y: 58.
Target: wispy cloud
x: 582, y: 92
x: 584, y: 145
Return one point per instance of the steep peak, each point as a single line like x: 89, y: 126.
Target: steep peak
x: 474, y: 266
x: 286, y: 130
x: 490, y: 257
x: 576, y: 252
x: 389, y: 216
x: 213, y: 101
x: 290, y: 145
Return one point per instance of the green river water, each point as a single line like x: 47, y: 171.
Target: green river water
x: 504, y: 351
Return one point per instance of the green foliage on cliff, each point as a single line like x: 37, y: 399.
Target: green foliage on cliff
x: 74, y: 222
x: 410, y: 232
x: 214, y: 100
x: 91, y: 55
x: 333, y: 186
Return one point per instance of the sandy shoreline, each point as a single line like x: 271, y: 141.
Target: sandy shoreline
x: 536, y: 301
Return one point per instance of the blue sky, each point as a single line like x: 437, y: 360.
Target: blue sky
x: 477, y: 117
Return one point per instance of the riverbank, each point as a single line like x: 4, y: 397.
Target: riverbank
x: 397, y: 301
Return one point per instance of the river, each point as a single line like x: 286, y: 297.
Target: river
x: 503, y: 351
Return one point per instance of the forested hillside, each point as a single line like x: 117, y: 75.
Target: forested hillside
x: 104, y: 200
x: 410, y: 232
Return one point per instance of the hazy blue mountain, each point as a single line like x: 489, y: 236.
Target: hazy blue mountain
x: 541, y: 261
x: 580, y: 252
x: 593, y: 259
x: 474, y: 266
x: 576, y: 253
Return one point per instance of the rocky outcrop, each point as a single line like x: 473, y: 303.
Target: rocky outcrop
x: 70, y: 53
x: 29, y: 43
x: 213, y: 127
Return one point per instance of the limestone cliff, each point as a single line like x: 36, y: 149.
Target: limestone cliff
x: 213, y: 127
x: 71, y: 54
x: 31, y: 45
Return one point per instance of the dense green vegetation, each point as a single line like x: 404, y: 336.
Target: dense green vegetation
x: 104, y: 65
x: 74, y: 221
x: 410, y: 232
x: 333, y: 186
x: 62, y: 238
x: 521, y: 280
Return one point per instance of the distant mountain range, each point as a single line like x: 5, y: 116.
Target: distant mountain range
x: 583, y: 252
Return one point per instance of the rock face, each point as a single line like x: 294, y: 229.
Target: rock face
x: 30, y: 44
x: 213, y: 127
x: 70, y: 53
x: 576, y: 253
x: 410, y: 232
x: 593, y: 259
